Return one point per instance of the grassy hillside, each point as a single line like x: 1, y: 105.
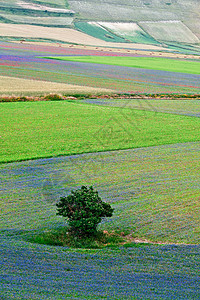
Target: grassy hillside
x: 137, y: 11
x: 132, y: 10
x: 130, y: 31
x: 43, y: 21
x: 33, y: 130
x: 183, y: 13
x: 116, y: 32
x: 99, y: 32
x: 154, y: 190
x: 151, y: 178
x: 170, y: 31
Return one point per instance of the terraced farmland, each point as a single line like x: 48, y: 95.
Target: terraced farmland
x: 161, y: 20
x: 170, y: 31
x: 25, y: 61
x: 141, y: 153
x: 155, y: 193
x: 131, y: 10
x: 140, y: 62
x: 47, y: 21
x: 116, y: 32
x: 142, y: 11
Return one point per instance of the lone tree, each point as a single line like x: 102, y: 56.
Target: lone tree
x: 84, y: 210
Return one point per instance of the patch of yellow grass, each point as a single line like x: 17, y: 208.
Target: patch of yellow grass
x: 12, y: 85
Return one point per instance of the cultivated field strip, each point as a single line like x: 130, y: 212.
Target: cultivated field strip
x: 44, y: 272
x: 35, y: 4
x: 141, y: 10
x: 67, y: 35
x: 131, y: 31
x: 47, y: 21
x: 170, y: 31
x: 21, y: 86
x: 59, y: 47
x: 31, y: 130
x: 126, y: 11
x: 153, y: 63
x: 25, y: 61
x: 155, y: 190
x: 187, y: 107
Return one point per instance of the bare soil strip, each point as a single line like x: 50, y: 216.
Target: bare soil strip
x: 12, y: 85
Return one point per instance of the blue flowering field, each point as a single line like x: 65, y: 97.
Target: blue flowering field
x: 154, y: 190
x: 155, y: 194
x: 31, y: 271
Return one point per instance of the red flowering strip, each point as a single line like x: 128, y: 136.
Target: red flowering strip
x: 98, y: 51
x: 9, y: 64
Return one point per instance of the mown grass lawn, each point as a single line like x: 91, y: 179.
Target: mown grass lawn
x: 46, y: 129
x: 152, y: 63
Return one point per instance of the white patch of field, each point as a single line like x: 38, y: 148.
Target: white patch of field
x: 95, y: 23
x: 28, y: 5
x: 171, y: 31
x: 50, y: 21
x: 98, y: 24
x: 122, y: 28
x: 64, y: 34
x: 18, y: 86
x: 130, y: 31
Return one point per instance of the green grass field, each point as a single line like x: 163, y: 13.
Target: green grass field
x: 46, y: 129
x: 153, y: 63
